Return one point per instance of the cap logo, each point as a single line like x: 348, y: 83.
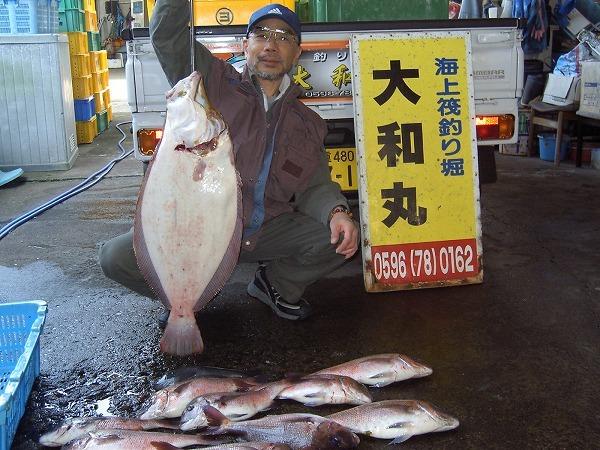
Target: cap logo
x: 275, y: 11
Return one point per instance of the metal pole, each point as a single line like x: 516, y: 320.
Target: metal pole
x: 192, y: 37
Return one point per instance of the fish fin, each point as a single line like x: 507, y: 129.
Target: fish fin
x: 186, y: 373
x: 380, y: 383
x: 182, y: 386
x: 214, y: 417
x: 168, y: 424
x: 182, y: 336
x: 400, y: 439
x: 398, y: 425
x: 312, y: 403
x: 162, y: 446
x: 106, y: 438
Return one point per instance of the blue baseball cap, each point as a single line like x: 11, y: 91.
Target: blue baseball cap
x: 277, y: 11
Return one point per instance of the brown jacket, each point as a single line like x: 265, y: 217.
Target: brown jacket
x: 299, y: 175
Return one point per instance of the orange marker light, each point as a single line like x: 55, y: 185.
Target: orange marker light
x: 495, y: 127
x: 148, y: 140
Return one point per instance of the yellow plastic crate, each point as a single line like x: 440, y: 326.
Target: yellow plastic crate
x: 89, y: 5
x: 82, y: 87
x: 106, y: 97
x: 229, y: 12
x: 98, y: 60
x: 80, y: 65
x: 86, y: 131
x: 96, y: 82
x: 103, y: 60
x: 99, y: 102
x: 95, y: 61
x: 104, y: 79
x: 109, y: 111
x: 78, y: 42
x: 91, y: 21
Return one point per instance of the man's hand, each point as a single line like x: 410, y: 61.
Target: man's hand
x: 341, y: 223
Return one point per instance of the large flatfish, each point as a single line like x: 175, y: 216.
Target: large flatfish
x: 188, y: 222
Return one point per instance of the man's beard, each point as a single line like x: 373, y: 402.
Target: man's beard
x: 266, y: 75
x: 269, y: 76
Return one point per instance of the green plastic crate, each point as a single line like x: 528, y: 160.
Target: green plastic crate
x: 94, y: 44
x: 102, y: 121
x: 71, y: 20
x: 63, y: 5
x: 365, y: 10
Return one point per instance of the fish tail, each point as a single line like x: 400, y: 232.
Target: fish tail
x: 182, y: 336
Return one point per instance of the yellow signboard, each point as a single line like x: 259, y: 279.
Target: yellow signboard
x: 417, y: 159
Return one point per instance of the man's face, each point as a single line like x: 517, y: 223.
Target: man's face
x: 270, y: 55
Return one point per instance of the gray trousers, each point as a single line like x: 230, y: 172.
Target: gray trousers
x: 295, y: 248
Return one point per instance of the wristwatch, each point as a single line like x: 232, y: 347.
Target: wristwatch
x: 340, y: 209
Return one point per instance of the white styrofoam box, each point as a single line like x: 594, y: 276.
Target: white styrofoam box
x: 37, y: 117
x: 116, y: 61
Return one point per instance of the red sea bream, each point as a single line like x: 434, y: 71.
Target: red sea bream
x: 188, y: 222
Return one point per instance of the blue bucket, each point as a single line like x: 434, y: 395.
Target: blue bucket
x: 547, y: 143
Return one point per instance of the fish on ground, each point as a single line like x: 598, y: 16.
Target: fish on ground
x: 235, y: 406
x: 171, y: 401
x: 135, y: 440
x: 380, y: 370
x: 234, y: 446
x: 77, y: 427
x: 299, y: 431
x: 395, y: 419
x: 327, y: 389
x: 186, y: 373
x: 188, y: 220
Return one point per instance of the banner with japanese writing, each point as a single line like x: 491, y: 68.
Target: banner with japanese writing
x: 417, y: 159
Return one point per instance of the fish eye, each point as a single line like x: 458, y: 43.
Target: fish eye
x: 189, y: 407
x: 335, y: 441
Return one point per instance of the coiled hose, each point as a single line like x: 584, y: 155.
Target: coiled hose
x: 84, y: 185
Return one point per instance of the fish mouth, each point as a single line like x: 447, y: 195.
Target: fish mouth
x: 420, y: 370
x: 446, y: 421
x: 157, y: 407
x: 50, y: 441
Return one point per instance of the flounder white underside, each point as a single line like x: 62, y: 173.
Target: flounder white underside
x: 189, y: 209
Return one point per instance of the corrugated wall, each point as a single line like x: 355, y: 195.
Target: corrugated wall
x: 37, y: 122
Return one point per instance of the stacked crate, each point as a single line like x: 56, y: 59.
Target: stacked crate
x: 98, y: 68
x: 89, y: 68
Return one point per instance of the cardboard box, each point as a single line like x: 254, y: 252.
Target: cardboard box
x: 561, y: 90
x: 590, y: 89
x: 518, y: 149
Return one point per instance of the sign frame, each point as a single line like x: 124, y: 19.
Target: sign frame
x: 372, y: 284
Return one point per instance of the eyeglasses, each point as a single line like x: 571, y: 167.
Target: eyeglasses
x: 263, y: 34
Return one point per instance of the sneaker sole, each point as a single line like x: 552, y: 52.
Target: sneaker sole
x: 255, y: 292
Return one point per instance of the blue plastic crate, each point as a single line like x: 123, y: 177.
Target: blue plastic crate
x: 20, y: 328
x: 85, y: 109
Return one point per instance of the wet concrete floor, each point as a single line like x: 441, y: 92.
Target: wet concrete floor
x: 515, y: 358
